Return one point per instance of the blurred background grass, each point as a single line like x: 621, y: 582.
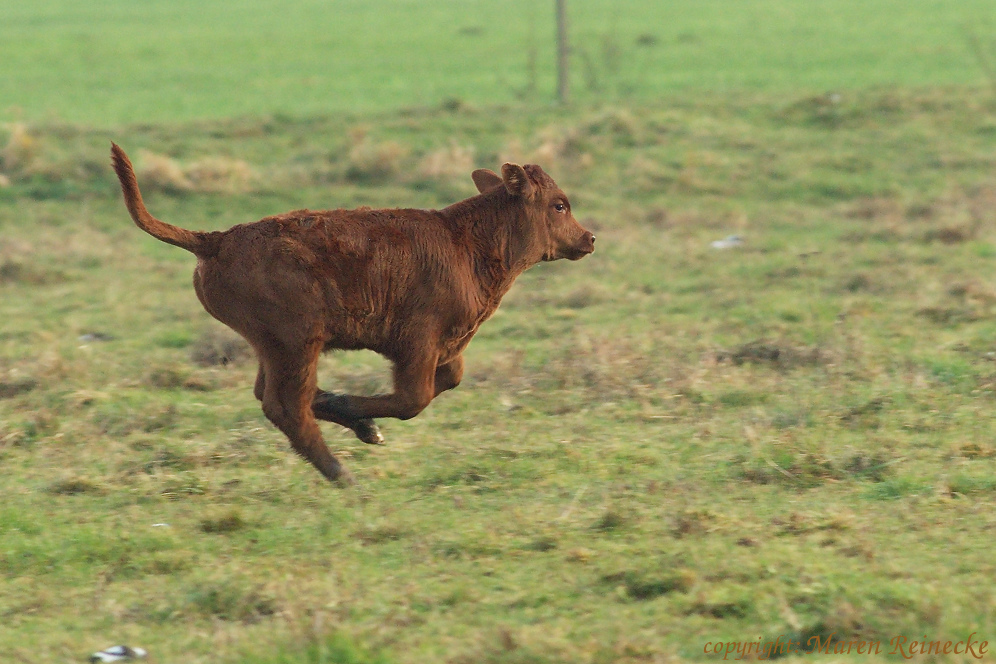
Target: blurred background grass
x: 167, y: 61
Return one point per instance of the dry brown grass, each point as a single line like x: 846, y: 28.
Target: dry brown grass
x: 213, y: 174
x: 454, y: 162
x: 223, y: 175
x: 372, y: 160
x: 570, y: 146
x: 21, y: 150
x: 158, y: 171
x: 557, y: 148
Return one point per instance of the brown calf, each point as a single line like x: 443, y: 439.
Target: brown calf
x: 412, y: 285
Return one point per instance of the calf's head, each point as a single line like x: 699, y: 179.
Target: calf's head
x: 545, y: 224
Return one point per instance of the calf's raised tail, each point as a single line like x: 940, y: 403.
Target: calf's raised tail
x: 199, y: 243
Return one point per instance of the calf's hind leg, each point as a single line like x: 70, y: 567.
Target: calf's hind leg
x: 290, y: 383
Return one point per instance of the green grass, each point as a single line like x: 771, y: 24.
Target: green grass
x: 174, y: 60
x: 657, y: 447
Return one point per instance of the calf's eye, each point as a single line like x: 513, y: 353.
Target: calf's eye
x: 559, y: 207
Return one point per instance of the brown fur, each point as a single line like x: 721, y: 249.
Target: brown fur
x: 412, y: 285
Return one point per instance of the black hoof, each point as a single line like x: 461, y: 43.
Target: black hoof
x: 367, y: 431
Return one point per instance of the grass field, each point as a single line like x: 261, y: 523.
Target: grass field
x: 661, y: 446
x: 166, y: 61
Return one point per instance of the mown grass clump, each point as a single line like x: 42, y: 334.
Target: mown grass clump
x: 73, y: 486
x: 231, y: 600
x: 807, y: 468
x: 379, y: 533
x: 646, y: 586
x: 226, y: 522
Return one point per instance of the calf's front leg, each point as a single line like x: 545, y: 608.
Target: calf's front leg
x: 407, y: 400
x: 414, y: 388
x: 448, y: 375
x: 329, y: 407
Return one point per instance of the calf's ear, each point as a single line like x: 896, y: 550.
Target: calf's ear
x: 516, y: 181
x: 485, y: 179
